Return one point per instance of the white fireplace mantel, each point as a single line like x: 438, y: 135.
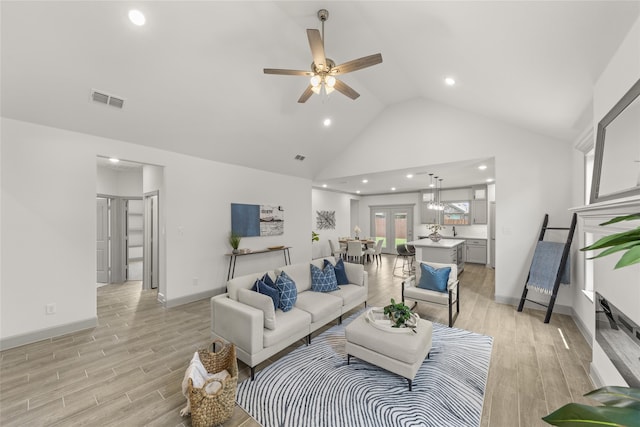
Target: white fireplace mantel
x: 620, y: 286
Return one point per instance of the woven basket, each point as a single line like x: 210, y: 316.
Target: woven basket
x: 212, y: 409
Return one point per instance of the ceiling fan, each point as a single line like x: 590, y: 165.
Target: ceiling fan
x: 323, y: 69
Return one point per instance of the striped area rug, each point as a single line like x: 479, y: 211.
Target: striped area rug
x: 314, y: 387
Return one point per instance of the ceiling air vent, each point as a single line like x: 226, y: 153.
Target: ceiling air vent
x: 299, y: 157
x: 105, y: 98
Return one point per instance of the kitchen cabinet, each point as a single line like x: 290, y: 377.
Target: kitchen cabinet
x: 477, y: 251
x: 427, y: 216
x: 478, y: 211
x: 479, y: 204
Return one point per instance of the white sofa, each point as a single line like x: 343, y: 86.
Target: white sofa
x: 244, y: 325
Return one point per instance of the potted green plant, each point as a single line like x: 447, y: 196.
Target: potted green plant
x: 434, y: 228
x: 620, y: 405
x: 234, y: 241
x: 314, y: 236
x: 399, y: 314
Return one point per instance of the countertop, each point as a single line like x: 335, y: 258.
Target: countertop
x: 444, y: 243
x: 459, y: 237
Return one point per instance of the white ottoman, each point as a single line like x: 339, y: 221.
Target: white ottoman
x: 400, y: 353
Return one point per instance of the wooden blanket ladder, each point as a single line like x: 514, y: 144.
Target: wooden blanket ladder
x: 563, y: 263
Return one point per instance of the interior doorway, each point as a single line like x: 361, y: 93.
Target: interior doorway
x: 393, y: 225
x: 127, y: 223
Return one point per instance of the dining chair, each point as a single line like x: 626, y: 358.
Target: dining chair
x: 354, y: 250
x: 407, y: 260
x: 336, y: 251
x: 376, y: 251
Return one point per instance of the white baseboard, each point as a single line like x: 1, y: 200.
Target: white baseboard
x: 557, y: 308
x: 192, y: 298
x: 48, y: 333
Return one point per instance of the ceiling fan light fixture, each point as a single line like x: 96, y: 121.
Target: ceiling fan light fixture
x: 316, y: 89
x: 330, y: 81
x: 315, y: 81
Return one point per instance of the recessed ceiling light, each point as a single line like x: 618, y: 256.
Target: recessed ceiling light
x: 450, y: 81
x: 364, y: 181
x: 327, y: 122
x: 482, y: 167
x: 410, y: 176
x: 324, y: 185
x: 358, y: 192
x: 489, y: 179
x: 114, y: 160
x: 393, y: 188
x: 432, y: 185
x: 137, y: 17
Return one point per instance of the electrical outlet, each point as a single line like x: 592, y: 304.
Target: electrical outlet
x: 50, y: 308
x: 195, y: 281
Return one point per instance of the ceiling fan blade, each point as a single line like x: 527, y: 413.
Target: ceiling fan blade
x: 357, y: 64
x: 345, y: 89
x: 287, y: 72
x: 305, y: 95
x: 317, y: 49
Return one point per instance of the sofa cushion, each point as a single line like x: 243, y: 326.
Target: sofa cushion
x: 287, y: 290
x: 434, y: 279
x: 289, y: 323
x: 261, y: 302
x: 323, y: 279
x: 355, y: 273
x: 299, y: 273
x: 350, y: 294
x: 319, y: 304
x: 270, y: 291
x: 341, y: 274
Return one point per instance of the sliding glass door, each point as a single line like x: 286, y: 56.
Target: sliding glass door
x: 393, y: 225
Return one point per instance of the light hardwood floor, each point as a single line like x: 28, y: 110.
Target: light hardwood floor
x: 128, y: 370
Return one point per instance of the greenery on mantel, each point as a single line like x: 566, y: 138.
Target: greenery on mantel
x: 628, y: 241
x: 620, y: 405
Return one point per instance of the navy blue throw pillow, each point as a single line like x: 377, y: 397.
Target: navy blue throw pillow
x: 323, y: 280
x: 341, y: 273
x: 288, y: 291
x: 434, y: 279
x: 267, y: 290
x: 268, y: 280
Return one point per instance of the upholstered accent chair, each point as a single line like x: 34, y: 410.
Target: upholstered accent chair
x: 448, y: 297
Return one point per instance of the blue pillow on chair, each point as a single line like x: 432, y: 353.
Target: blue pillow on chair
x: 434, y: 279
x: 341, y: 273
x: 287, y: 290
x: 323, y: 280
x: 263, y: 288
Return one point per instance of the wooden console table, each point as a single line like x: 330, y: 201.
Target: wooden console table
x: 234, y: 257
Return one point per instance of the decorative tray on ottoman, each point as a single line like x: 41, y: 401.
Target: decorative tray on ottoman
x: 375, y: 316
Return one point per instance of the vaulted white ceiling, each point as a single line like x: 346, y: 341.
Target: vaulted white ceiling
x: 192, y: 77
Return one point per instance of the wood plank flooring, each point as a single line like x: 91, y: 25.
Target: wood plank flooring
x: 128, y: 370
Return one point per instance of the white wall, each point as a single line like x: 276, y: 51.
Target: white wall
x: 619, y: 286
x: 533, y: 173
x: 322, y: 200
x: 120, y: 183
x: 48, y: 222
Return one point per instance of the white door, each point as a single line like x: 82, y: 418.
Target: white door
x: 393, y: 224
x: 151, y: 242
x: 102, y: 240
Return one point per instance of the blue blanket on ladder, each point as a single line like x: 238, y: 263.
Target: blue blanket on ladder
x: 545, y: 266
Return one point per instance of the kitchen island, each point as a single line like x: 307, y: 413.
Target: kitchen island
x: 446, y: 251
